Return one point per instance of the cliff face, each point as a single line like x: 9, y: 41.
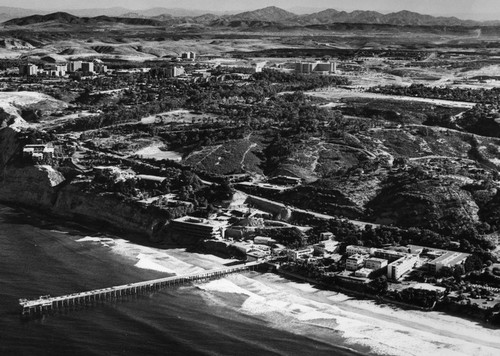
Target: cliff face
x: 107, y: 208
x: 34, y: 186
x: 9, y: 146
x: 44, y: 188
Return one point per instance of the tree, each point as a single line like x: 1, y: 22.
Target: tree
x: 473, y: 263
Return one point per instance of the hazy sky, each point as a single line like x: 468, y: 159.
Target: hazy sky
x: 483, y: 9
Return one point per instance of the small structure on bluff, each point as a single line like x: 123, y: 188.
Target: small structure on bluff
x: 38, y: 153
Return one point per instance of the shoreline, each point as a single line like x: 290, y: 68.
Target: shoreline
x: 303, y: 309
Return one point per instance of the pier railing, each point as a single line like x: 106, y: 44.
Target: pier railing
x: 47, y: 304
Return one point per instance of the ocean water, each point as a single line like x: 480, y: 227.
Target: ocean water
x: 225, y: 317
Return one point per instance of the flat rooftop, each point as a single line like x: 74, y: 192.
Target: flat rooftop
x: 450, y: 257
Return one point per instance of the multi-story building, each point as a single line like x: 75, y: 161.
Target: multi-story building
x: 354, y: 262
x: 74, y: 66
x: 174, y: 71
x: 28, y: 69
x: 87, y: 67
x: 56, y: 70
x: 199, y: 228
x: 190, y: 56
x: 315, y: 67
x: 375, y: 263
x: 258, y: 66
x: 398, y: 268
x: 390, y: 255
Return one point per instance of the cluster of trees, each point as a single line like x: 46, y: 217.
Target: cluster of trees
x: 300, y: 81
x: 484, y: 96
x: 481, y: 120
x: 244, y: 104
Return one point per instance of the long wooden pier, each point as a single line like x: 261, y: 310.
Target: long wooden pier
x: 48, y: 304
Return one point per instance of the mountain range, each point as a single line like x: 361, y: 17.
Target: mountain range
x: 272, y: 14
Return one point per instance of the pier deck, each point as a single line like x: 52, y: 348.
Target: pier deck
x: 45, y: 304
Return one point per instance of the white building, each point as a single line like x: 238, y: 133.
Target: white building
x: 398, y: 268
x: 298, y: 254
x: 73, y: 66
x: 448, y: 259
x: 363, y: 272
x: 28, y: 69
x: 190, y: 56
x: 354, y: 262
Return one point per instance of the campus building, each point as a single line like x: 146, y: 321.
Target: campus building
x: 199, y: 228
x: 354, y: 262
x: 398, y: 268
x: 448, y: 259
x: 28, y: 69
x: 315, y: 67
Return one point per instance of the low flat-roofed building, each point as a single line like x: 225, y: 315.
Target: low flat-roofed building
x: 263, y: 240
x: 152, y: 178
x: 428, y: 287
x: 327, y: 235
x: 38, y: 152
x: 243, y: 246
x: 448, y: 259
x: 199, y: 227
x: 363, y: 272
x: 301, y: 253
x: 327, y: 246
x: 354, y: 262
x: 398, y: 268
x: 375, y: 263
x: 256, y: 255
x: 286, y: 180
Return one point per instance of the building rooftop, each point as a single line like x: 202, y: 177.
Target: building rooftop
x: 451, y: 258
x: 200, y: 221
x: 429, y: 287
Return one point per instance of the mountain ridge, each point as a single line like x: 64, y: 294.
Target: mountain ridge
x: 270, y: 14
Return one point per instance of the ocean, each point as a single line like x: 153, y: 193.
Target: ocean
x: 249, y: 313
x: 40, y: 257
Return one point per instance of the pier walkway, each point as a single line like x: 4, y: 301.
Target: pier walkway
x: 47, y: 304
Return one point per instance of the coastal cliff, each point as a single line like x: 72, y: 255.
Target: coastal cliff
x: 44, y: 188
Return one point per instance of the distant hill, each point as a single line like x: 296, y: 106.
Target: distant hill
x: 269, y: 16
x: 65, y: 18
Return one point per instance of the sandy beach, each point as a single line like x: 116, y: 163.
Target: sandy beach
x: 323, y: 315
